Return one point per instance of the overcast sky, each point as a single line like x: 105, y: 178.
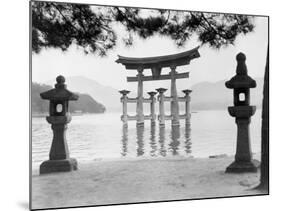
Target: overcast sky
x: 212, y: 66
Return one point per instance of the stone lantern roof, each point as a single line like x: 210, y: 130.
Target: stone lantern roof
x: 241, y: 79
x: 186, y: 91
x: 59, y: 92
x: 124, y: 92
x: 152, y: 93
x: 161, y: 90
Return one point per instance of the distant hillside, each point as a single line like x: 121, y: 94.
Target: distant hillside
x: 210, y: 96
x: 204, y: 96
x: 85, y: 103
x: 106, y: 95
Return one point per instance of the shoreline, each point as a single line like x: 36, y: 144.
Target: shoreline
x: 141, y: 180
x: 256, y: 156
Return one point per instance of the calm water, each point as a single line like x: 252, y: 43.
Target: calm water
x: 97, y: 136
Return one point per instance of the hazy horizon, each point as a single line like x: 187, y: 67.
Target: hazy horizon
x: 52, y: 82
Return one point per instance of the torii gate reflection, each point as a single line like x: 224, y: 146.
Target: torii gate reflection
x: 155, y: 64
x: 177, y: 141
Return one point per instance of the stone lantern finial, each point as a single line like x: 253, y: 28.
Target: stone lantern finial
x: 241, y: 64
x: 60, y: 82
x: 241, y: 57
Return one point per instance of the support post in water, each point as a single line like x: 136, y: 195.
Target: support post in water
x: 242, y: 111
x: 187, y: 106
x: 59, y: 117
x: 124, y: 100
x: 161, y: 98
x: 152, y: 107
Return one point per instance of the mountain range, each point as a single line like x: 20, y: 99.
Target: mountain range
x: 213, y: 96
x: 204, y: 96
x: 85, y: 103
x: 105, y: 95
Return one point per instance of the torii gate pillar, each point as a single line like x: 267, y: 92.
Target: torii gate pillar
x: 139, y: 110
x: 174, y: 96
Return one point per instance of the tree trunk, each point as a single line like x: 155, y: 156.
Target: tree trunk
x: 264, y: 178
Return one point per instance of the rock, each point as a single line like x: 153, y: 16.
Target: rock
x: 218, y: 156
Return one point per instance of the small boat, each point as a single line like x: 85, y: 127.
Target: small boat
x: 77, y: 113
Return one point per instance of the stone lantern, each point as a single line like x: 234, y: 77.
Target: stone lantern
x: 242, y: 111
x: 59, y: 117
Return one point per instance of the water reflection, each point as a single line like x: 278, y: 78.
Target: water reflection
x: 162, y: 141
x: 174, y: 144
x: 153, y: 145
x: 187, y: 142
x: 124, y: 140
x: 156, y: 141
x: 140, y: 142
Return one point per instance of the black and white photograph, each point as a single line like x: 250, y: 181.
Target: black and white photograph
x: 134, y: 104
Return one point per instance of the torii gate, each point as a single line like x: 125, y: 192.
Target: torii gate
x: 156, y: 64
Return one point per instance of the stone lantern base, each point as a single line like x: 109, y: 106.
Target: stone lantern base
x: 65, y: 165
x: 241, y: 167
